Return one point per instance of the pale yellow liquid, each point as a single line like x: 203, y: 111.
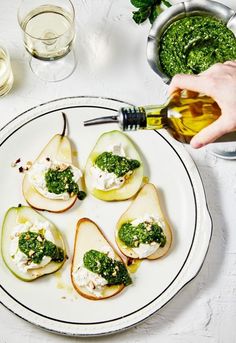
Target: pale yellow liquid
x: 6, y: 76
x: 49, y: 32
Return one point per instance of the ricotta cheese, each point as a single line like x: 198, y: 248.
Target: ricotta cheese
x: 37, y: 177
x: 20, y: 259
x: 92, y: 282
x: 105, y: 181
x: 145, y: 250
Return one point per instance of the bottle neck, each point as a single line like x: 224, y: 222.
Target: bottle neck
x: 146, y: 117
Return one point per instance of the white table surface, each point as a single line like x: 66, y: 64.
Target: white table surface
x: 112, y: 63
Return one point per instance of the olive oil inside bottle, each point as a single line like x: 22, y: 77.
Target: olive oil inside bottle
x: 184, y: 115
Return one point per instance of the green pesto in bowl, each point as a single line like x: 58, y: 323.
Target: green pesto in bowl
x: 192, y: 44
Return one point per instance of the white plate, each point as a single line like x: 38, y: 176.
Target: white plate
x: 51, y: 302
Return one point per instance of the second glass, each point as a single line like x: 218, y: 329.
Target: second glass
x: 49, y: 31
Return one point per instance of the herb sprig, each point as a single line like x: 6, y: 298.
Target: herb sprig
x: 147, y: 9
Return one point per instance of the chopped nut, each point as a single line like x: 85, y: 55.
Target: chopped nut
x: 28, y: 165
x: 39, y: 238
x: 13, y: 164
x: 31, y: 252
x: 91, y: 285
x: 63, y: 166
x: 114, y: 273
x: 27, y: 237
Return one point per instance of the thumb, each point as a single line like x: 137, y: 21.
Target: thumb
x: 210, y: 133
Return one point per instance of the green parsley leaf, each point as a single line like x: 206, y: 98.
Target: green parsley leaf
x: 142, y: 3
x: 141, y: 15
x: 147, y: 9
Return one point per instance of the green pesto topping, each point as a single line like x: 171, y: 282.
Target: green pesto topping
x: 61, y: 181
x: 81, y: 195
x: 35, y: 247
x: 192, y: 44
x: 118, y: 165
x: 145, y: 233
x: 113, y: 271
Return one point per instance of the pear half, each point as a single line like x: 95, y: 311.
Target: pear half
x: 59, y: 149
x: 146, y: 202
x: 132, y: 184
x: 20, y: 215
x: 88, y: 236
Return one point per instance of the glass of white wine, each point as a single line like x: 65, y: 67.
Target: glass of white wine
x: 48, y: 28
x: 6, y: 76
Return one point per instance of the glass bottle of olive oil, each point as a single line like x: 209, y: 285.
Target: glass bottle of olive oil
x: 184, y: 115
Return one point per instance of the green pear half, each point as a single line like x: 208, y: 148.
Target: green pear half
x: 132, y: 184
x: 88, y: 236
x: 146, y: 202
x: 20, y: 215
x: 59, y: 149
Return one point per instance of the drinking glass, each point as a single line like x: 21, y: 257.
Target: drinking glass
x: 6, y: 76
x: 48, y: 28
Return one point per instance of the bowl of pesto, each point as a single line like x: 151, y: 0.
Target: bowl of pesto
x: 191, y: 36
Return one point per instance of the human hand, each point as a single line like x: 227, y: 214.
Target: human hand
x: 219, y: 82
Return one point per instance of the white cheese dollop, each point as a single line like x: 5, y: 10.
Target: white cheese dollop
x: 92, y: 282
x: 145, y: 250
x: 37, y: 177
x: 20, y: 259
x: 107, y: 181
x: 117, y: 149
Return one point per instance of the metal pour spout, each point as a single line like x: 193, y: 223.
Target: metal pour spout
x: 128, y: 118
x: 102, y: 120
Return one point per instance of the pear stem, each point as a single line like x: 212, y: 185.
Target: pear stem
x: 64, y: 124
